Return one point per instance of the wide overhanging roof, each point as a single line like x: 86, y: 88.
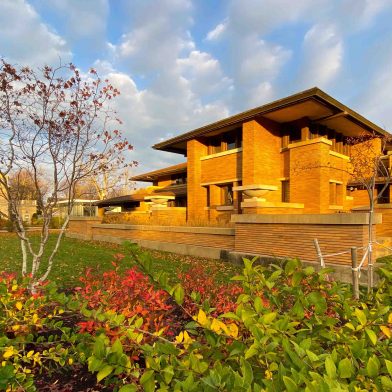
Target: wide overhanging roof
x: 314, y: 104
x: 154, y: 175
x: 120, y: 200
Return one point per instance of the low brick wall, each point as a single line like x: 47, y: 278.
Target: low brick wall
x: 81, y: 227
x: 293, y: 235
x: 213, y: 237
x: 266, y: 235
x: 213, y: 242
x: 169, y: 216
x: 384, y: 229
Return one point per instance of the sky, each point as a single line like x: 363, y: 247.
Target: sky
x: 181, y: 64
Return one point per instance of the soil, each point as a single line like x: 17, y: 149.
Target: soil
x: 77, y: 379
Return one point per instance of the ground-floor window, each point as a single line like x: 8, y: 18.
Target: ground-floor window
x: 285, y: 191
x: 227, y: 198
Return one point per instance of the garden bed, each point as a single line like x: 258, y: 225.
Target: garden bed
x: 152, y: 321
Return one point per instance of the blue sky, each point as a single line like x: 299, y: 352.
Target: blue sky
x: 180, y: 64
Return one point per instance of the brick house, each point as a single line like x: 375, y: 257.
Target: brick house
x: 285, y: 157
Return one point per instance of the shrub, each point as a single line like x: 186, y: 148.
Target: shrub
x: 289, y: 329
x: 34, y: 338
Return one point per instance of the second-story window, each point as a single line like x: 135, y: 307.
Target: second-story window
x: 225, y: 142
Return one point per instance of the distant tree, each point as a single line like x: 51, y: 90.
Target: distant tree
x: 58, y: 126
x: 106, y: 183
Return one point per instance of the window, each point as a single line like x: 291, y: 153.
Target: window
x: 177, y: 202
x: 335, y: 194
x: 231, y: 142
x: 225, y: 142
x: 215, y: 145
x: 227, y: 198
x: 285, y: 191
x: 178, y: 179
x: 332, y: 194
x: 385, y: 196
x: 295, y: 135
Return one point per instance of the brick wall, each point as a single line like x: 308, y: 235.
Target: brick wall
x: 221, y: 168
x: 268, y: 235
x: 197, y: 195
x: 292, y: 236
x: 82, y: 226
x: 383, y: 229
x: 309, y: 176
x: 261, y: 155
x: 206, y: 237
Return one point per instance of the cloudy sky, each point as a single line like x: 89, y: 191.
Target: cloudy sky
x: 181, y: 64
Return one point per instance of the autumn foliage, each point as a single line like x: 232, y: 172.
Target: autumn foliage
x: 276, y: 328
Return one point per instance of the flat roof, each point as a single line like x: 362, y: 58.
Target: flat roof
x: 154, y: 175
x: 118, y: 200
x: 314, y: 103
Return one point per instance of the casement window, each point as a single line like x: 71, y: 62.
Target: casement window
x: 335, y: 194
x: 295, y: 135
x: 227, y: 198
x: 225, y: 142
x: 285, y: 191
x: 385, y: 197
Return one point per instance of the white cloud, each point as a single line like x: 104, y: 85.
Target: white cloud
x: 217, y: 32
x: 261, y: 93
x: 181, y: 84
x: 260, y: 59
x: 323, y: 56
x: 359, y: 14
x: 204, y: 73
x: 255, y: 16
x: 26, y: 39
x: 158, y: 36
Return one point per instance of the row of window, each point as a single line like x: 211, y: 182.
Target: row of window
x: 340, y: 143
x: 225, y: 142
x: 227, y: 195
x: 233, y: 139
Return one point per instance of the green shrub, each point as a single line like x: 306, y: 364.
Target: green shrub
x: 292, y: 329
x: 56, y: 222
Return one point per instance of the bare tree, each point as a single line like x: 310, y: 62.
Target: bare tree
x: 107, y: 183
x: 57, y: 125
x: 367, y: 167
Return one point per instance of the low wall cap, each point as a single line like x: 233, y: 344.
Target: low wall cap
x: 307, y: 219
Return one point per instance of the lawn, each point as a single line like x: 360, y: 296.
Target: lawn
x: 74, y: 256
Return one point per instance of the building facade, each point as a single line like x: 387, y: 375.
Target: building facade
x: 287, y: 157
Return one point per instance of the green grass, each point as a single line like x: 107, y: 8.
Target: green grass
x: 74, y: 256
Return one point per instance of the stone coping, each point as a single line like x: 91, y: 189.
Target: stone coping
x: 386, y: 206
x: 339, y: 155
x: 311, y: 141
x: 174, y: 229
x: 308, y: 219
x: 261, y: 203
x: 221, y: 154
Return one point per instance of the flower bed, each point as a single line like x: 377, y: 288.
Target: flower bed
x: 278, y: 328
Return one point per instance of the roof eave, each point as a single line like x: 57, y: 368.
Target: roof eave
x: 262, y: 110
